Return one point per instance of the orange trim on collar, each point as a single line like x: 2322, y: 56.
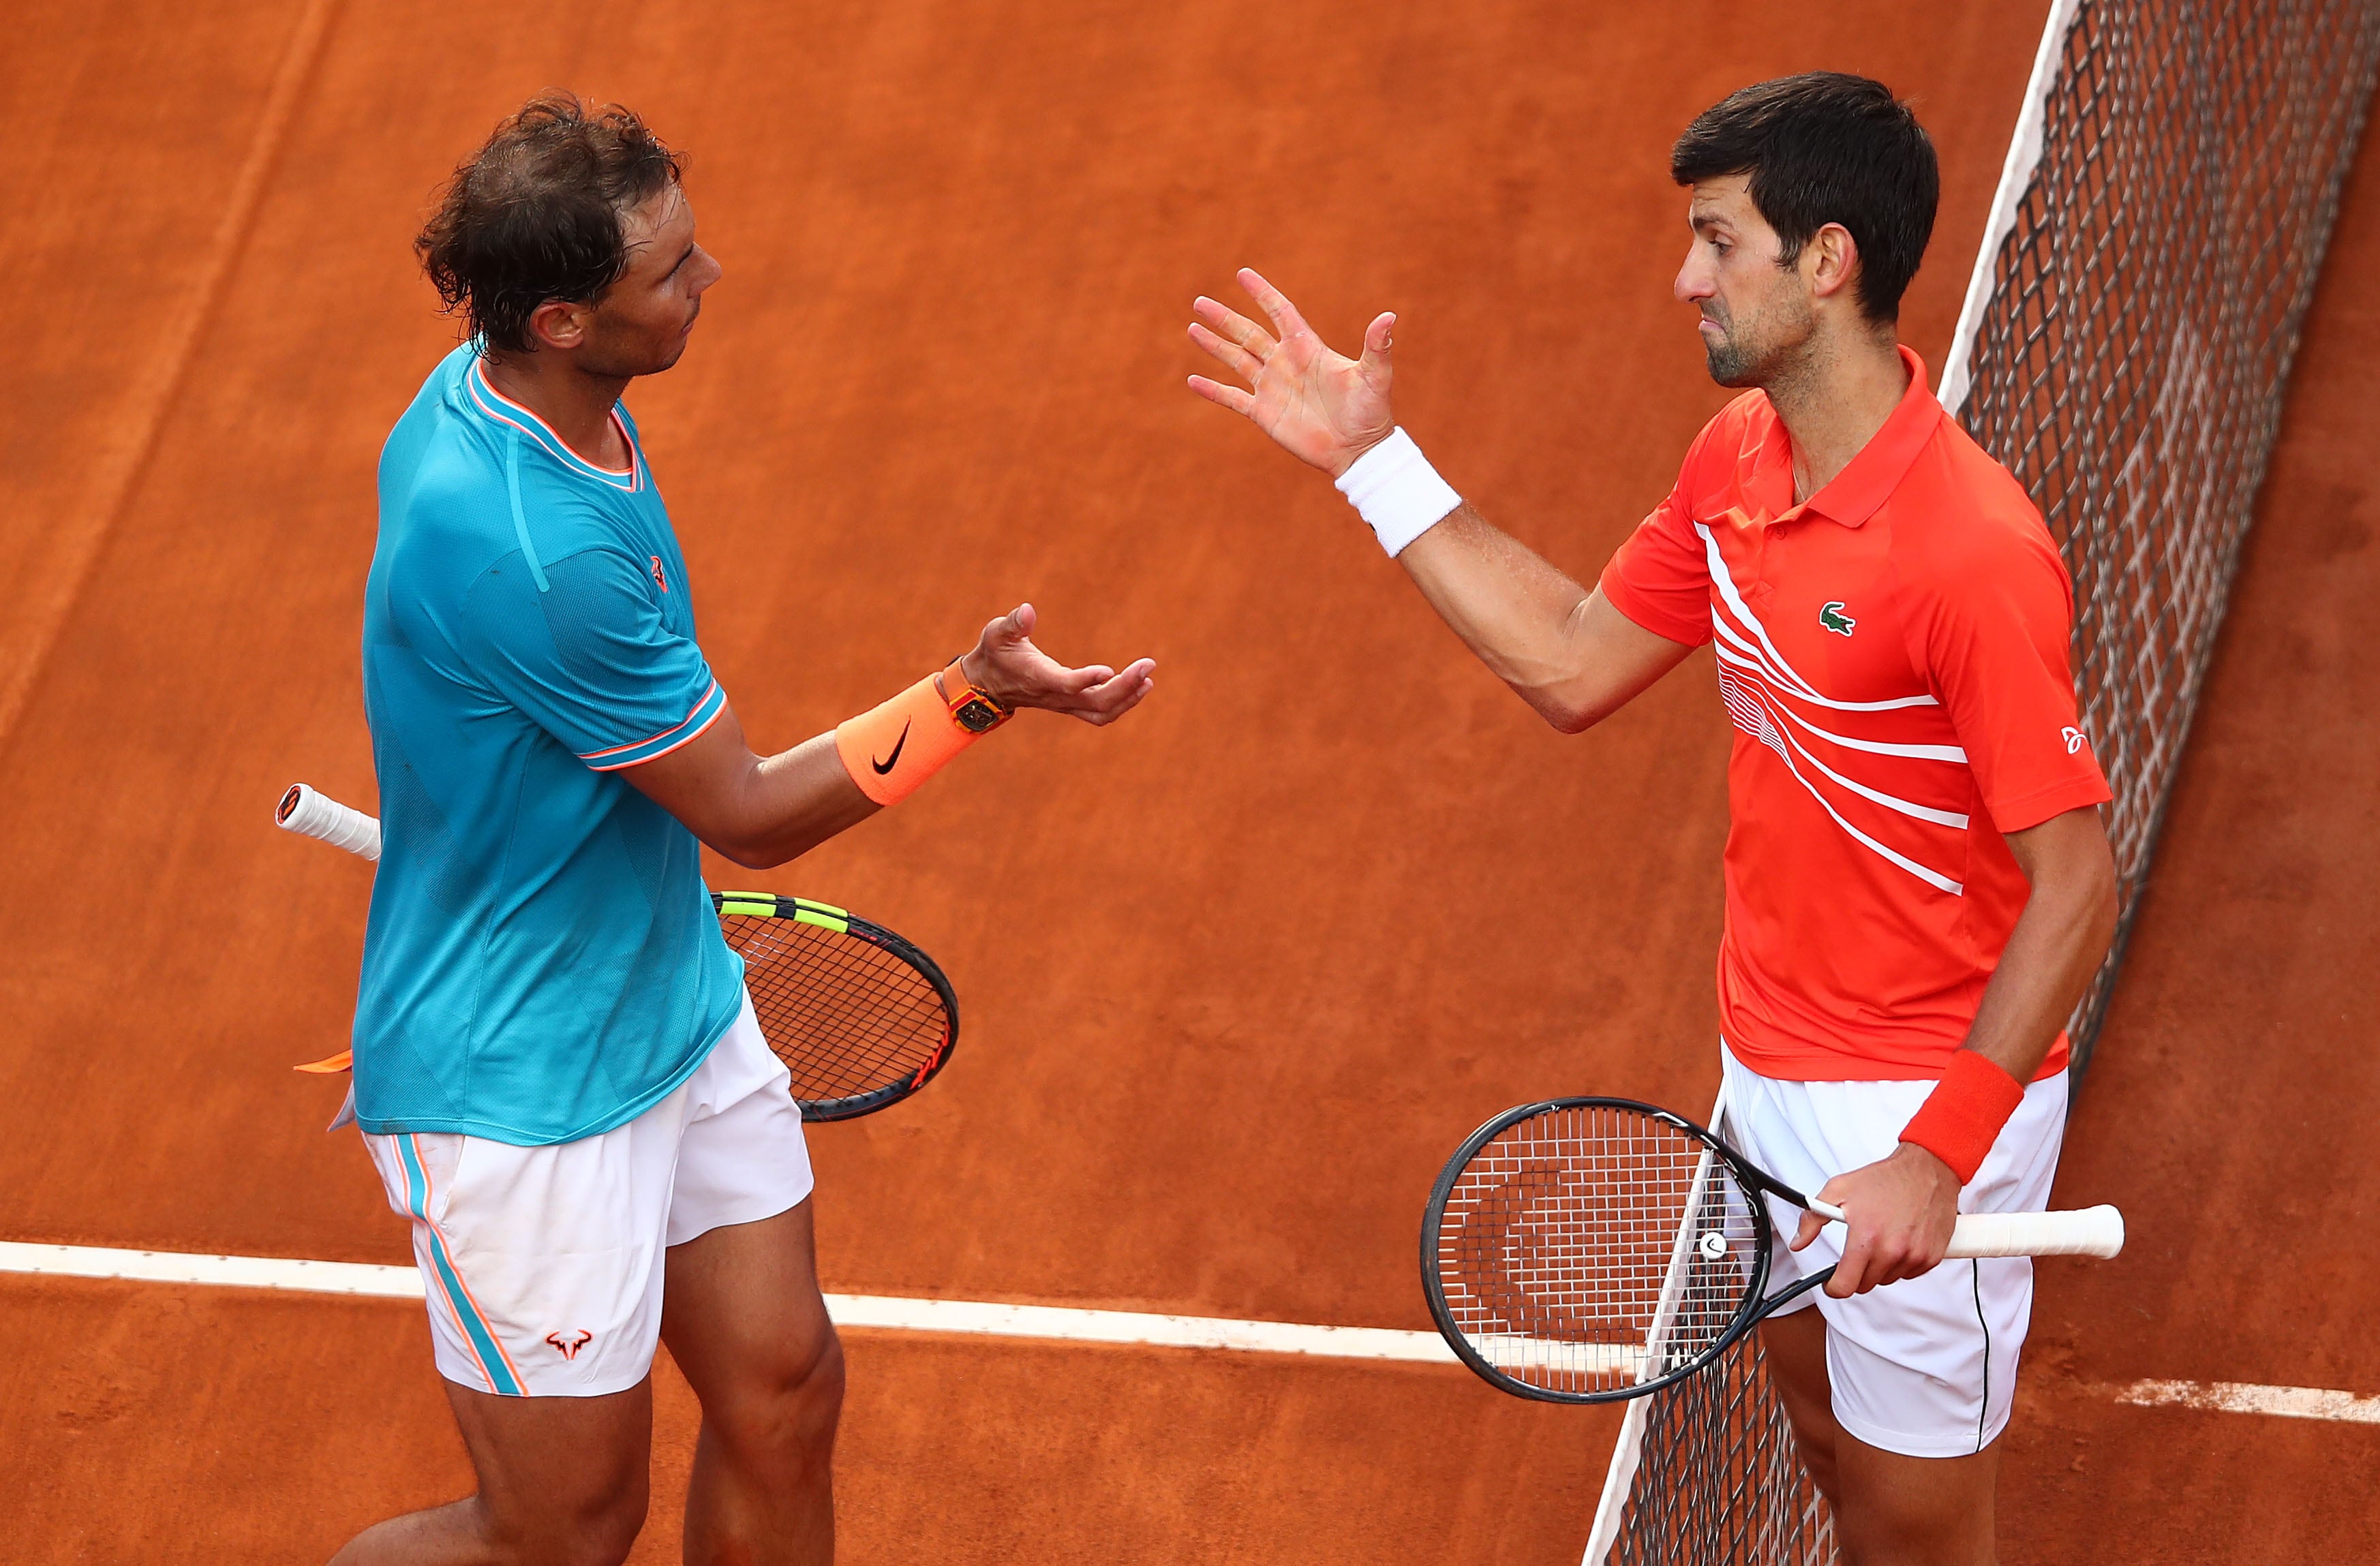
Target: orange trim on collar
x: 1853, y: 495
x: 633, y: 473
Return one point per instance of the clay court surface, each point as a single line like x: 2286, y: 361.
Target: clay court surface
x: 1236, y: 975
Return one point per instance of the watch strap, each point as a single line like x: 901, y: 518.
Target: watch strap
x: 960, y: 693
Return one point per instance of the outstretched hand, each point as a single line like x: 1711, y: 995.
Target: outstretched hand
x: 1325, y: 408
x: 1006, y: 666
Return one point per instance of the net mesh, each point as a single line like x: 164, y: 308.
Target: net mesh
x: 849, y: 1017
x: 2130, y: 363
x: 2140, y: 307
x: 1717, y: 1481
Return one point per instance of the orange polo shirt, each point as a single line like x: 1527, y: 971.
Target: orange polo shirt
x: 1893, y: 654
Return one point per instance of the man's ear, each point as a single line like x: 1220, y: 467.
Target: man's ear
x: 557, y: 324
x: 1830, y: 261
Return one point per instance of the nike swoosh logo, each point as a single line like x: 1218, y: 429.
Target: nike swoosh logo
x: 884, y: 767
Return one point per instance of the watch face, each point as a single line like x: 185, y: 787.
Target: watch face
x: 976, y: 715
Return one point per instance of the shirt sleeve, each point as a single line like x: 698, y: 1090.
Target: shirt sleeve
x: 1995, y: 646
x: 1660, y: 577
x: 589, y: 658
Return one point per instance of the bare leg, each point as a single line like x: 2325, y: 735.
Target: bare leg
x: 1916, y: 1511
x: 742, y: 1318
x: 1796, y: 1347
x: 563, y: 1482
x: 1890, y: 1509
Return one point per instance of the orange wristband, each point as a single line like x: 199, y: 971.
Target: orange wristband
x: 1962, y: 1118
x: 892, y: 750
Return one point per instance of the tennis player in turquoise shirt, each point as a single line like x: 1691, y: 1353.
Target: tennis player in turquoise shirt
x: 529, y: 632
x: 557, y: 1073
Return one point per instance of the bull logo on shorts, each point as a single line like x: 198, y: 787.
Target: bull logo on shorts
x: 570, y: 1345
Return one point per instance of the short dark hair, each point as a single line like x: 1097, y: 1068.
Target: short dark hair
x: 535, y: 214
x: 1822, y: 148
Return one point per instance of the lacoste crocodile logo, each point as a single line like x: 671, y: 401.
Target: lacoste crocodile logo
x: 568, y: 1347
x: 1833, y: 618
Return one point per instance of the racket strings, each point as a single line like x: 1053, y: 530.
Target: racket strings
x: 1591, y: 1249
x: 847, y: 1016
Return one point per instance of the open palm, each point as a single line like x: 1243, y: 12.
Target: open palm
x: 1324, y: 407
x: 1006, y: 666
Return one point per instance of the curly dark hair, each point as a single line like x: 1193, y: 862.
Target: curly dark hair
x: 1826, y: 147
x: 535, y: 214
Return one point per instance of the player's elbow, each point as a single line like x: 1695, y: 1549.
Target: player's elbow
x: 2106, y: 905
x: 1572, y: 720
x: 749, y: 853
x: 1563, y: 711
x: 1572, y: 702
x: 2092, y: 895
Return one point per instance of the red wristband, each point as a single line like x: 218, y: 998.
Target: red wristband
x: 1962, y: 1118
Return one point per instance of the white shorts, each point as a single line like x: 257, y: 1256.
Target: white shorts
x: 543, y: 1265
x: 1925, y: 1367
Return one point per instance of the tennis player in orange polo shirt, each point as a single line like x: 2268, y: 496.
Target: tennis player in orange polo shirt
x: 1918, y: 885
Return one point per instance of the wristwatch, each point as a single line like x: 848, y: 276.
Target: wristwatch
x: 972, y: 708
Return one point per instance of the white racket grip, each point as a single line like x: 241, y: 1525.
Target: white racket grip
x: 315, y: 814
x: 2090, y: 1232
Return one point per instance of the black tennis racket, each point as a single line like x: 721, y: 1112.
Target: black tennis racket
x: 1588, y: 1250
x: 861, y: 1017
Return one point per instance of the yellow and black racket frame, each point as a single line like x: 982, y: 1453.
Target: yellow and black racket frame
x: 844, y: 922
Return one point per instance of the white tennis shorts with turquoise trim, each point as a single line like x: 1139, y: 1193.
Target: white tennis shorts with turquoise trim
x: 543, y: 1265
x: 1925, y: 1367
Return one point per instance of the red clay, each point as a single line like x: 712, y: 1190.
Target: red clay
x: 166, y: 1425
x: 1236, y: 975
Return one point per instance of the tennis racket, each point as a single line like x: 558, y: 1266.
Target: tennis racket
x: 861, y: 1017
x: 1588, y: 1250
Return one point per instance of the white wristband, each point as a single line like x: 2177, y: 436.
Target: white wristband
x: 1394, y: 488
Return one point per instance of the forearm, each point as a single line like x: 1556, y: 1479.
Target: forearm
x: 757, y: 811
x: 1562, y: 647
x: 2058, y: 944
x: 762, y: 810
x: 779, y: 807
x: 1516, y: 611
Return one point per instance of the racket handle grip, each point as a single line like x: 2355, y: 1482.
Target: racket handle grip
x: 313, y: 814
x: 2090, y: 1232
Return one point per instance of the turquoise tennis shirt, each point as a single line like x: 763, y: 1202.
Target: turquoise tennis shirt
x: 541, y: 962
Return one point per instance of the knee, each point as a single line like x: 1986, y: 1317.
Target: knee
x: 589, y: 1528
x: 599, y: 1532
x: 605, y: 1539
x: 787, y: 1409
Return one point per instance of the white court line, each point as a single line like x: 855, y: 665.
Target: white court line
x: 1064, y: 1323
x: 2243, y: 1397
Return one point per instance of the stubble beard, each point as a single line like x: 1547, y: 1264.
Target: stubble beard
x: 626, y: 362
x: 1737, y: 360
x: 1730, y: 364
x: 1760, y: 351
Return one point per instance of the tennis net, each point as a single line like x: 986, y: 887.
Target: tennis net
x: 2124, y: 349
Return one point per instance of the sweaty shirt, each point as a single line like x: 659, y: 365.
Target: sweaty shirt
x: 541, y: 962
x: 1893, y: 655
